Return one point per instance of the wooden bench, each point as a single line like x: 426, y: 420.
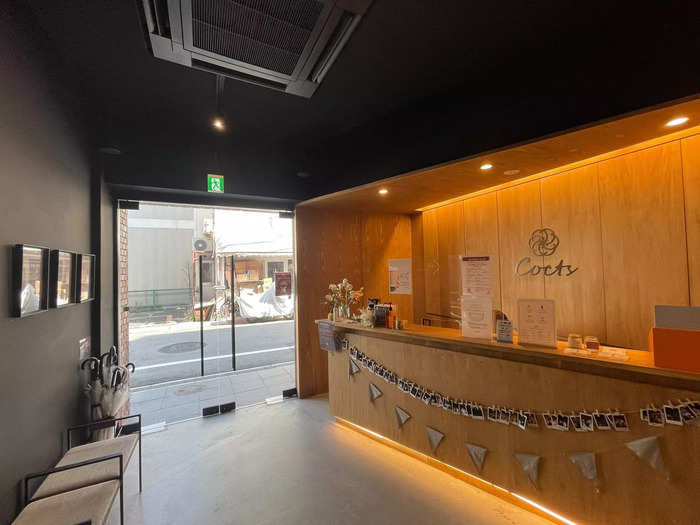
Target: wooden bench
x: 81, y: 488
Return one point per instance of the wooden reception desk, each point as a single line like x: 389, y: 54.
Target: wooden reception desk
x: 540, y: 380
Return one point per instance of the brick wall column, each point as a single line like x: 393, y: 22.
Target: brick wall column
x: 123, y: 291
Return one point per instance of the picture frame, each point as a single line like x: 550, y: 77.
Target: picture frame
x: 84, y: 278
x: 62, y: 274
x: 30, y: 280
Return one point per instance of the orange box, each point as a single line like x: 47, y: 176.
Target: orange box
x: 677, y: 349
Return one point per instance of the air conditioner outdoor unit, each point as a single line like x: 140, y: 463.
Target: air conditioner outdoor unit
x: 287, y: 45
x: 201, y: 245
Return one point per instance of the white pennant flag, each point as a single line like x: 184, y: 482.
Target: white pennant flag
x: 401, y: 415
x: 586, y: 463
x: 647, y: 449
x: 354, y: 369
x: 530, y: 464
x: 478, y: 455
x: 434, y: 438
x: 374, y: 392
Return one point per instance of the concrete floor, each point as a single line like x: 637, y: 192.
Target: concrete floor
x: 290, y: 463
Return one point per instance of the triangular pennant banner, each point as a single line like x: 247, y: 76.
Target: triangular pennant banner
x: 374, y: 392
x: 530, y: 464
x: 647, y: 449
x: 354, y: 369
x: 585, y: 461
x: 434, y: 438
x: 478, y: 455
x: 401, y: 416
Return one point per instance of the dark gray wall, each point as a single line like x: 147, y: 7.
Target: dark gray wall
x: 44, y: 200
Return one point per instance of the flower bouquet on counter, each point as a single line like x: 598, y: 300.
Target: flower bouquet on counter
x: 340, y: 298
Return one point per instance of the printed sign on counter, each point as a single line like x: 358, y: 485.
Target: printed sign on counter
x: 537, y: 322
x: 477, y: 317
x: 477, y: 275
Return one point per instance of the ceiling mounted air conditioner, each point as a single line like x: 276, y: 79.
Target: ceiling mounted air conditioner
x: 287, y: 45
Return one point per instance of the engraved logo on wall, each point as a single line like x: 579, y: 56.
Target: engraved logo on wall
x: 543, y: 243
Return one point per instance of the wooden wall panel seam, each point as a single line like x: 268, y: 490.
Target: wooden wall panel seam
x: 685, y: 224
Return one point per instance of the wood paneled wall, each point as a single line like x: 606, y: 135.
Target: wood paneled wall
x: 630, y: 223
x: 330, y: 246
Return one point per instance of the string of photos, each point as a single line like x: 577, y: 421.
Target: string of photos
x: 683, y: 412
x: 646, y: 449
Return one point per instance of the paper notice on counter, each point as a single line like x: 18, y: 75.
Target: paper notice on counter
x: 537, y: 322
x: 477, y: 275
x: 400, y: 276
x: 477, y: 317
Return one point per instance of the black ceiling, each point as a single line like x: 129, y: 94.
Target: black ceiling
x: 420, y: 82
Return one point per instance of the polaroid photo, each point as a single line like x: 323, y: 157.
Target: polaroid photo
x: 656, y: 417
x: 644, y: 414
x: 504, y: 416
x: 576, y: 422
x: 393, y: 378
x: 492, y: 414
x: 478, y: 412
x: 695, y: 405
x: 419, y: 393
x: 531, y: 420
x: 601, y: 422
x: 586, y: 421
x: 522, y: 421
x: 401, y: 384
x: 353, y: 351
x: 468, y: 409
x: 687, y: 413
x: 562, y: 422
x: 457, y: 407
x: 414, y: 390
x: 549, y: 420
x: 672, y: 414
x: 620, y: 422
x: 437, y: 399
x: 446, y: 403
x: 409, y: 387
x: 513, y: 416
x: 346, y: 344
x: 427, y: 396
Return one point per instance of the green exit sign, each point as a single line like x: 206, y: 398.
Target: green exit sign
x: 215, y: 183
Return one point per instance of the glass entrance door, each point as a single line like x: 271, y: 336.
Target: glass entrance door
x: 211, y: 308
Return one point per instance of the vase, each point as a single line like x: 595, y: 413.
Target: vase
x: 342, y: 311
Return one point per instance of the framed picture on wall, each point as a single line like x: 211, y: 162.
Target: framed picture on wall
x: 62, y: 283
x: 30, y: 280
x: 85, y: 278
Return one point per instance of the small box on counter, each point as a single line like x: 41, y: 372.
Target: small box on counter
x: 674, y: 348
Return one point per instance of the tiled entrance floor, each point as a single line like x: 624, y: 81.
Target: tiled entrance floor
x: 177, y: 401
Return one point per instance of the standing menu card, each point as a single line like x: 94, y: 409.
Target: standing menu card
x: 537, y: 322
x: 477, y: 275
x: 477, y: 317
x: 477, y: 292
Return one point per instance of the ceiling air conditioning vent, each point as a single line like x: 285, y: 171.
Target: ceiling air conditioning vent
x: 288, y: 45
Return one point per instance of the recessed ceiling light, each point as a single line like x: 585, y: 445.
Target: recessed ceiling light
x: 511, y: 172
x: 486, y: 166
x: 677, y: 121
x: 218, y: 124
x: 383, y: 191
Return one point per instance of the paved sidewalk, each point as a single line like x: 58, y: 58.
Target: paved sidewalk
x: 173, y: 402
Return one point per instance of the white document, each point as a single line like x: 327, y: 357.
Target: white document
x: 477, y: 317
x: 400, y: 276
x: 477, y: 275
x: 536, y: 322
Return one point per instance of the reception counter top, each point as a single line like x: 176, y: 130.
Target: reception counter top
x: 639, y: 368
